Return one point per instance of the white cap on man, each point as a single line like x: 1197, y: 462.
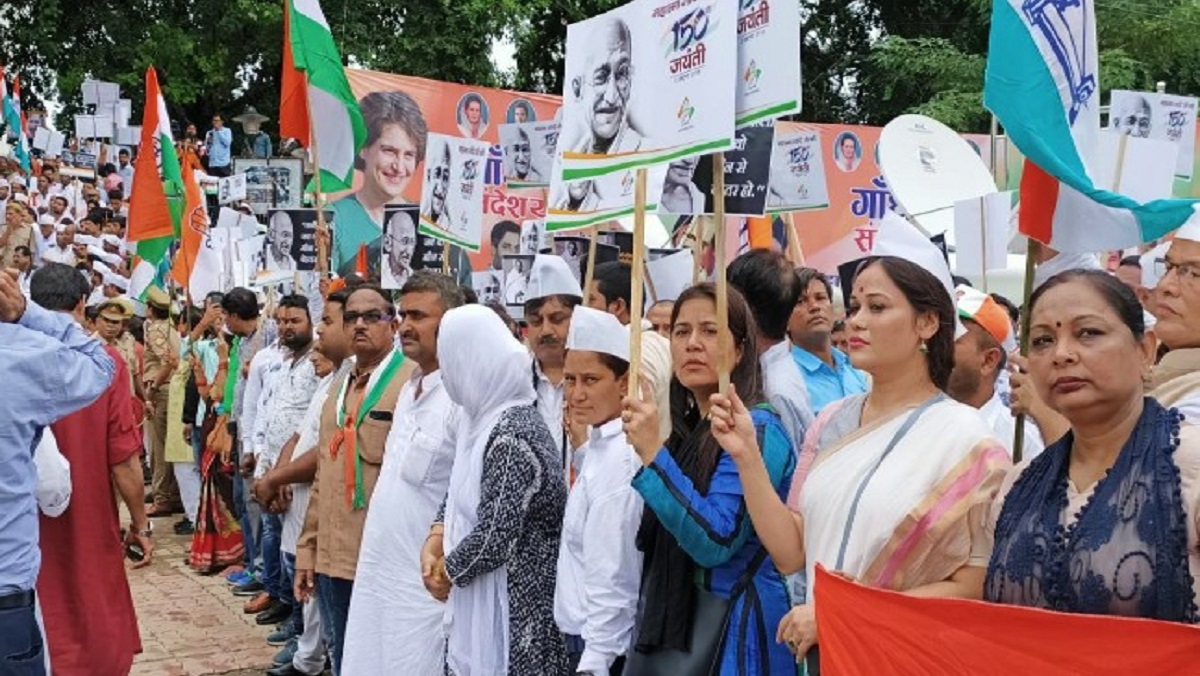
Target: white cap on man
x: 551, y: 276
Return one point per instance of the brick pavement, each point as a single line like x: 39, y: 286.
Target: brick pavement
x: 192, y: 625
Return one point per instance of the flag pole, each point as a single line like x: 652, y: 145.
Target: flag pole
x: 697, y: 231
x: 724, y: 339
x: 1032, y: 250
x: 983, y: 240
x: 446, y: 258
x: 636, y: 279
x: 322, y: 226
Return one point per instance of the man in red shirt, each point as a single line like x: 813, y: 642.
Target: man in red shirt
x: 90, y: 622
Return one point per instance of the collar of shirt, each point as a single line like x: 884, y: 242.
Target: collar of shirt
x: 811, y: 363
x: 608, y: 430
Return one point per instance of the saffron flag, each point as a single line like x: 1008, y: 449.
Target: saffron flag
x: 865, y: 631
x: 1042, y: 82
x: 192, y: 230
x: 157, y: 200
x: 337, y: 124
x: 293, y: 97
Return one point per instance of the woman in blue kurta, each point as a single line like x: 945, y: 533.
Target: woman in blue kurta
x: 712, y: 598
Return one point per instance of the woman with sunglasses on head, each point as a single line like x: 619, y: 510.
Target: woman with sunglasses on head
x: 711, y: 595
x: 893, y: 486
x: 1105, y: 520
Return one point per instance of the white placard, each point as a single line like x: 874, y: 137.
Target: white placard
x: 41, y: 139
x: 646, y: 83
x: 581, y: 204
x: 769, y: 36
x: 671, y: 274
x: 1147, y: 172
x: 107, y: 93
x: 93, y: 126
x: 1158, y: 116
x: 452, y: 193
x: 55, y: 146
x: 231, y: 189
x: 797, y: 173
x: 129, y: 136
x: 528, y: 150
x: 245, y: 225
x: 90, y: 92
x: 981, y: 234
x: 124, y: 111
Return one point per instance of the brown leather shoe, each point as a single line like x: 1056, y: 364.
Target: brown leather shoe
x: 257, y: 604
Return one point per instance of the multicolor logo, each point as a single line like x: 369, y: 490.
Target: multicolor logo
x: 685, y: 40
x: 686, y: 112
x: 752, y: 74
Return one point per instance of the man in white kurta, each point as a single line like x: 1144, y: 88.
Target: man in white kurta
x: 395, y: 626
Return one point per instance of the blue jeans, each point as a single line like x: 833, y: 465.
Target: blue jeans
x: 272, y: 569
x: 197, y: 446
x: 249, y: 518
x: 21, y: 643
x: 333, y: 597
x: 289, y: 579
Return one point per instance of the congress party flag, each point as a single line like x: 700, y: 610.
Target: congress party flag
x: 870, y: 632
x: 646, y: 83
x: 1042, y: 82
x: 329, y: 107
x: 157, y: 201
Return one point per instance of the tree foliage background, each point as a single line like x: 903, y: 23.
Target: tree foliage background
x: 865, y: 61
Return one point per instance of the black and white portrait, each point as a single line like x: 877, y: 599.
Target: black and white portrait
x: 399, y: 246
x: 516, y: 279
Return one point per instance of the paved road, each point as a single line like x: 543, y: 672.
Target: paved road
x: 192, y: 625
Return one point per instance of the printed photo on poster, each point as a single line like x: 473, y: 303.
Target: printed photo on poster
x: 533, y: 237
x: 529, y: 153
x: 797, y: 173
x: 291, y: 241
x: 689, y: 181
x: 399, y: 246
x: 645, y: 82
x: 271, y: 184
x: 847, y: 151
x: 769, y: 59
x: 573, y: 250
x: 618, y: 238
x: 473, y: 115
x: 488, y: 285
x: 520, y: 112
x: 452, y: 203
x: 1156, y: 116
x: 516, y: 281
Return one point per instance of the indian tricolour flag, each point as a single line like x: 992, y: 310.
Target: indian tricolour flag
x: 157, y: 199
x: 1043, y: 84
x: 316, y: 103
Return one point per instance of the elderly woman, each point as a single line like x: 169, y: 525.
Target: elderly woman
x: 711, y: 595
x: 1105, y: 520
x: 893, y: 486
x: 500, y: 527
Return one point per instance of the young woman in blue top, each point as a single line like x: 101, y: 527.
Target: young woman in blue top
x: 711, y: 596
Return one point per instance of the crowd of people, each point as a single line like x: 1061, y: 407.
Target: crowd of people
x: 408, y: 482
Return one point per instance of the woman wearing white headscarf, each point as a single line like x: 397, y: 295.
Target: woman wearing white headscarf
x: 503, y: 516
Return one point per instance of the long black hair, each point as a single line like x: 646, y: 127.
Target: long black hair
x: 687, y: 425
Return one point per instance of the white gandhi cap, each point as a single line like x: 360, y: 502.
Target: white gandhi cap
x: 550, y: 276
x: 597, y: 331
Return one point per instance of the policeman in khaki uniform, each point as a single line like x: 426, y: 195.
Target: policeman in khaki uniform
x: 113, y: 318
x: 160, y: 358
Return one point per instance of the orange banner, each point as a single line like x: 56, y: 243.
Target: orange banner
x: 865, y: 631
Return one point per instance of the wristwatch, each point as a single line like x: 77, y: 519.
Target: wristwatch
x: 148, y: 533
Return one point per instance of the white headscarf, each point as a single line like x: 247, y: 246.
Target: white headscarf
x: 486, y: 372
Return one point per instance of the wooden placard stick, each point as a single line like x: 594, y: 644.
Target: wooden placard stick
x: 322, y: 226
x: 637, y: 276
x: 724, y: 339
x: 590, y: 273
x: 446, y: 258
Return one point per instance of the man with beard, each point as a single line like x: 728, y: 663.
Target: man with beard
x: 395, y: 626
x: 279, y: 243
x: 979, y: 357
x: 520, y: 159
x: 292, y: 390
x: 355, y: 424
x: 551, y: 297
x: 828, y: 373
x: 399, y: 245
x: 680, y: 194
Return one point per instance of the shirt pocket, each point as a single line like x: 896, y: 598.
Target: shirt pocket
x: 424, y: 465
x: 372, y: 438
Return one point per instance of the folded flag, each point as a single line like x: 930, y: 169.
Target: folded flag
x: 1042, y: 82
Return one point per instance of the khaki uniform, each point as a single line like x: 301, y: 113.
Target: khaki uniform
x: 20, y: 236
x: 162, y: 347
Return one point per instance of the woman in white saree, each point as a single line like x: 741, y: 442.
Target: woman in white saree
x: 892, y: 487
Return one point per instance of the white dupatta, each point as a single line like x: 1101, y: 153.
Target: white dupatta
x: 486, y: 372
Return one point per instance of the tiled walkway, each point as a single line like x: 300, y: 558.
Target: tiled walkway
x: 192, y: 625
